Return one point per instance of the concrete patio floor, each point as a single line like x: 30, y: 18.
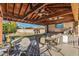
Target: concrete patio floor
x: 66, y: 50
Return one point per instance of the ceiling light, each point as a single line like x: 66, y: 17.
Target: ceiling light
x: 50, y: 19
x: 55, y: 18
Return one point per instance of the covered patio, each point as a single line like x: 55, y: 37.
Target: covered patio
x: 49, y: 15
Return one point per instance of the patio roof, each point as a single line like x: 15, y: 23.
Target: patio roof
x: 38, y: 13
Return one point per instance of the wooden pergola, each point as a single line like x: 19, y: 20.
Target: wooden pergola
x: 38, y: 13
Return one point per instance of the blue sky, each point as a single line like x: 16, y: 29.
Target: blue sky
x: 24, y: 25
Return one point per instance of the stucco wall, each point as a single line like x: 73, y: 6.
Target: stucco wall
x: 69, y: 24
x: 66, y: 25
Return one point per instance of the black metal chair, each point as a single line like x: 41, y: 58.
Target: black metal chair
x: 49, y: 42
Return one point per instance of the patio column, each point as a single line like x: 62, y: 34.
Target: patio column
x: 0, y: 30
x: 75, y: 11
x: 76, y: 28
x: 47, y: 28
x: 1, y: 25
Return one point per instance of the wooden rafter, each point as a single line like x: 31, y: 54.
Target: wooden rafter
x: 13, y: 8
x: 6, y: 7
x: 36, y: 17
x: 26, y: 9
x: 37, y: 7
x: 61, y: 13
x: 16, y: 8
x: 62, y: 21
x: 31, y: 16
x: 1, y: 12
x: 58, y: 21
x: 31, y: 7
x: 59, y: 5
x: 7, y: 10
x: 22, y: 12
x: 10, y: 7
x: 19, y: 20
x: 20, y: 8
x: 10, y: 15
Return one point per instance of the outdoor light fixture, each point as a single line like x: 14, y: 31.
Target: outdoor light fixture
x: 50, y: 19
x: 57, y: 18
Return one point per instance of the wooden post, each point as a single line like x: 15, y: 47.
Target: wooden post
x: 1, y: 26
x: 47, y: 28
x: 0, y: 30
x: 75, y: 11
x: 75, y: 27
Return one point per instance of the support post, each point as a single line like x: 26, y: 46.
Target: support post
x: 0, y: 30
x: 47, y: 28
x: 1, y: 25
x: 76, y: 28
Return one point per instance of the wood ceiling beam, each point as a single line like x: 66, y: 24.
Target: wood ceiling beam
x: 66, y: 17
x: 31, y: 7
x: 13, y: 8
x: 7, y: 10
x: 59, y: 21
x: 23, y: 21
x: 59, y: 5
x: 60, y: 13
x: 6, y: 7
x: 52, y: 9
x: 22, y: 12
x: 37, y: 7
x: 20, y: 20
x: 75, y: 10
x: 20, y: 8
x: 26, y: 9
x: 33, y: 16
x: 63, y: 21
x: 10, y: 15
x: 10, y: 7
x: 36, y: 17
x: 43, y: 23
x: 1, y: 12
x: 16, y: 8
x: 30, y: 16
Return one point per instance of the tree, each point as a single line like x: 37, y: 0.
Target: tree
x: 9, y: 27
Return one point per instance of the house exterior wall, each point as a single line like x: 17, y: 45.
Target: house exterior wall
x: 66, y: 25
x: 29, y: 30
